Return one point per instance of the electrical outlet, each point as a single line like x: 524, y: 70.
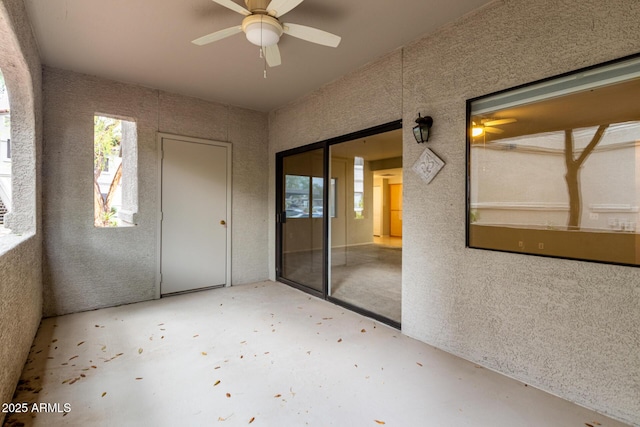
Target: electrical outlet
x: 521, y: 244
x: 540, y: 245
x: 593, y: 216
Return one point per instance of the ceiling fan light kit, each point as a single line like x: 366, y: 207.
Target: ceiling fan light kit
x: 263, y: 28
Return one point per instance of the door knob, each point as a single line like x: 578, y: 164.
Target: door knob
x: 223, y: 222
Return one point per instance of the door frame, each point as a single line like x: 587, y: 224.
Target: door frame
x: 160, y: 156
x: 279, y: 218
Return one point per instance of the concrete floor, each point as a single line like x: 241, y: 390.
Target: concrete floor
x: 267, y: 355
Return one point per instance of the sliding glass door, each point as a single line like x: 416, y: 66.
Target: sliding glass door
x: 300, y: 217
x: 334, y: 236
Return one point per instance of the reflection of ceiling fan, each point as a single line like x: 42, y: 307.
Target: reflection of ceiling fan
x: 263, y: 28
x: 487, y: 125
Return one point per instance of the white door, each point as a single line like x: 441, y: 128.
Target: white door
x: 195, y: 207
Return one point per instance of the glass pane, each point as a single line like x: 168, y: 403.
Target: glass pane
x: 302, y: 231
x: 554, y: 167
x: 366, y: 270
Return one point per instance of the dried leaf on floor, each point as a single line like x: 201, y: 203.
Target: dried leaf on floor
x: 55, y: 340
x: 104, y: 347
x: 340, y: 340
x: 204, y: 353
x: 140, y: 351
x: 196, y: 335
x: 217, y: 367
x: 252, y: 420
x: 216, y: 383
x: 94, y: 366
x: 277, y: 395
x: 363, y: 330
x: 379, y: 422
x: 73, y: 357
x: 229, y: 395
x: 104, y: 393
x: 419, y: 364
x: 138, y: 378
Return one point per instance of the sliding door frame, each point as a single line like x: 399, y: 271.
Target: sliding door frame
x: 280, y: 217
x: 325, y: 146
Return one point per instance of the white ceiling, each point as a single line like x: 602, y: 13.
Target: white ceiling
x: 147, y: 42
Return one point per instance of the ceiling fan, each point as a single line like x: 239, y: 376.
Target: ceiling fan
x: 488, y: 126
x: 264, y: 29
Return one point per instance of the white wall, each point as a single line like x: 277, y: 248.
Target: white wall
x: 568, y: 327
x: 87, y: 267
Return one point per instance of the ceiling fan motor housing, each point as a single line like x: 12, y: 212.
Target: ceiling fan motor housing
x: 262, y: 30
x: 257, y: 5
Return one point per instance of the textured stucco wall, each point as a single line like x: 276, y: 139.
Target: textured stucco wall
x: 86, y: 267
x: 569, y: 327
x: 21, y: 253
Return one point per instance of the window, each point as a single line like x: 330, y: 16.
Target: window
x: 114, y: 171
x: 358, y: 187
x: 304, y: 196
x: 553, y: 166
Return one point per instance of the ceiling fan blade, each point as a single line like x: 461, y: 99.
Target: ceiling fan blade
x: 278, y: 8
x: 272, y: 54
x: 493, y: 130
x: 233, y: 6
x: 312, y: 35
x: 218, y: 35
x: 499, y: 122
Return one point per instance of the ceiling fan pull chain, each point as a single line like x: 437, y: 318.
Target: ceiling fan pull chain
x: 264, y: 57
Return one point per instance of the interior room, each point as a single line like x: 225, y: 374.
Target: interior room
x: 114, y: 312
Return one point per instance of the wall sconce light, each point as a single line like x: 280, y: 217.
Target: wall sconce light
x: 421, y: 131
